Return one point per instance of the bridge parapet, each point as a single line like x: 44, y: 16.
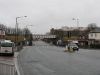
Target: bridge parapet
x: 43, y: 36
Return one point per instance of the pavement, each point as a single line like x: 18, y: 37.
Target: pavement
x: 9, y: 65
x: 44, y: 59
x: 9, y: 59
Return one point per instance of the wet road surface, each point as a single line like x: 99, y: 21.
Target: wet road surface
x: 44, y: 59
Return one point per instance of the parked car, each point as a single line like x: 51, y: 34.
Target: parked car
x: 7, y: 47
x: 72, y: 47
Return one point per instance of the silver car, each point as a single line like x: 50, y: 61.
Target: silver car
x: 72, y: 46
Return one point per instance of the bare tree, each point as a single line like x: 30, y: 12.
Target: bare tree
x: 92, y: 26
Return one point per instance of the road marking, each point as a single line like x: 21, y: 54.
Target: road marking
x: 16, y: 66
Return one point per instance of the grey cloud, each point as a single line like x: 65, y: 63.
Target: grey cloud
x: 44, y: 13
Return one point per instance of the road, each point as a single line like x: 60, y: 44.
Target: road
x: 8, y: 59
x: 44, y: 59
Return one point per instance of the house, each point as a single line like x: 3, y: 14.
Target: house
x: 94, y: 36
x: 67, y: 34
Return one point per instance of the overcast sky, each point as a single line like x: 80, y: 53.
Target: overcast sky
x: 45, y: 14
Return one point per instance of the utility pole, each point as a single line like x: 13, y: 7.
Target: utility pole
x: 77, y: 21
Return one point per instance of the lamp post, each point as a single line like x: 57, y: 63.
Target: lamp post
x: 16, y: 28
x: 28, y: 25
x: 77, y: 21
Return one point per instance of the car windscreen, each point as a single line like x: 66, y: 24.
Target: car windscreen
x: 6, y: 44
x: 73, y: 45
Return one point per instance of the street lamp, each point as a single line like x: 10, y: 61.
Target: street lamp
x: 16, y: 27
x: 28, y: 25
x: 77, y: 21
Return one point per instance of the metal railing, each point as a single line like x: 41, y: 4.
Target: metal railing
x: 7, y: 69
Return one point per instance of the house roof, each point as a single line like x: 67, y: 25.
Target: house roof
x: 96, y: 30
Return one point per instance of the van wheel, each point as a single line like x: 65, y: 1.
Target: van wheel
x: 12, y: 54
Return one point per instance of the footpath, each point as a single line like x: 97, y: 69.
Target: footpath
x: 9, y: 64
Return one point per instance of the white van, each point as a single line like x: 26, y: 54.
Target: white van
x: 6, y: 47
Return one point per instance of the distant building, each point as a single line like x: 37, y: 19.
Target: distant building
x: 65, y: 28
x: 94, y: 36
x: 40, y: 36
x: 79, y: 34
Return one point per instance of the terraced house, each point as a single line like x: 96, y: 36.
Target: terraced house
x: 94, y: 37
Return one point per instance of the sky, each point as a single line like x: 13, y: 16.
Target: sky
x: 46, y: 14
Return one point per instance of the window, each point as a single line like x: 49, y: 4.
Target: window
x: 6, y: 44
x: 91, y: 34
x: 95, y: 35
